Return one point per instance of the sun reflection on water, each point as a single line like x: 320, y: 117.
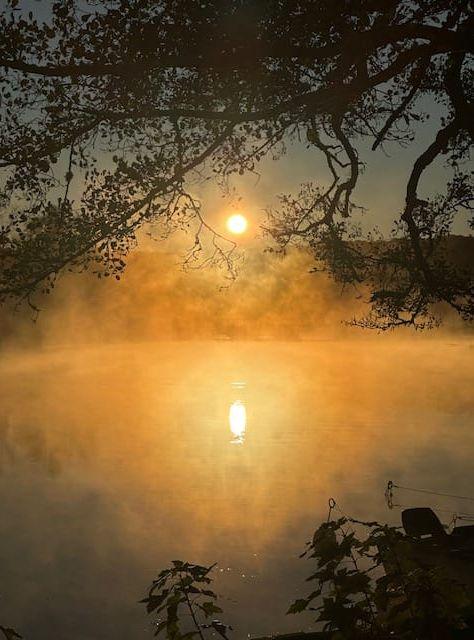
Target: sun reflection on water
x: 238, y: 421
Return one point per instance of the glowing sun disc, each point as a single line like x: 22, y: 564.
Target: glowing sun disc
x: 237, y: 223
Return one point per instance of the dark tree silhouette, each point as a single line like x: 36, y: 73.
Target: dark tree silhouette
x: 111, y: 109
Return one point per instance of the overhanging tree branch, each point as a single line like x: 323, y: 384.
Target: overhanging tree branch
x: 148, y: 94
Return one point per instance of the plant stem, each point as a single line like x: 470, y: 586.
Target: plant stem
x: 193, y: 615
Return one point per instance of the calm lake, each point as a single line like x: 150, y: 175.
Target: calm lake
x: 115, y: 460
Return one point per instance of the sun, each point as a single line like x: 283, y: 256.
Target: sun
x: 237, y: 223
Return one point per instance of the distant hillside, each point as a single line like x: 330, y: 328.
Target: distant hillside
x: 460, y: 250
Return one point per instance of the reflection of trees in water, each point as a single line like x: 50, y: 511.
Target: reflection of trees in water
x: 24, y: 442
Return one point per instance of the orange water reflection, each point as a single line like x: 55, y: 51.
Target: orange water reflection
x: 116, y: 460
x: 238, y: 421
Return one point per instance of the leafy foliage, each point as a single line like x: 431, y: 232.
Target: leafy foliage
x: 9, y: 633
x: 111, y: 111
x: 376, y: 587
x: 184, y: 586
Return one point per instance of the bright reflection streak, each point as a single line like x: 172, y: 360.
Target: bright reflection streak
x: 238, y: 421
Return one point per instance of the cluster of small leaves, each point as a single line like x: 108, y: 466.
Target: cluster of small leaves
x: 375, y: 587
x: 183, y: 602
x: 109, y: 108
x: 9, y: 633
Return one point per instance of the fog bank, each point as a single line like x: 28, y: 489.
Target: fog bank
x: 272, y: 298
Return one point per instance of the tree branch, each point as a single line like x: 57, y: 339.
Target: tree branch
x: 441, y: 39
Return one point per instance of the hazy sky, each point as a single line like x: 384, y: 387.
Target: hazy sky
x: 381, y: 186
x: 381, y: 190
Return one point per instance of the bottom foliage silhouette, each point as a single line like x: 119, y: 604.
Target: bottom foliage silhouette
x: 370, y: 582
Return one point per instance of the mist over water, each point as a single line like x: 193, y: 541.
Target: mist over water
x: 116, y: 459
x: 162, y: 417
x: 272, y: 298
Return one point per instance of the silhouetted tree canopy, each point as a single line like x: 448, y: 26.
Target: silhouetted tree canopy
x: 112, y: 109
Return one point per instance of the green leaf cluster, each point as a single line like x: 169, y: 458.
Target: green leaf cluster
x: 377, y: 584
x: 184, y: 604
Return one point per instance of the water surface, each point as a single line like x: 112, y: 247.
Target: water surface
x: 115, y: 460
